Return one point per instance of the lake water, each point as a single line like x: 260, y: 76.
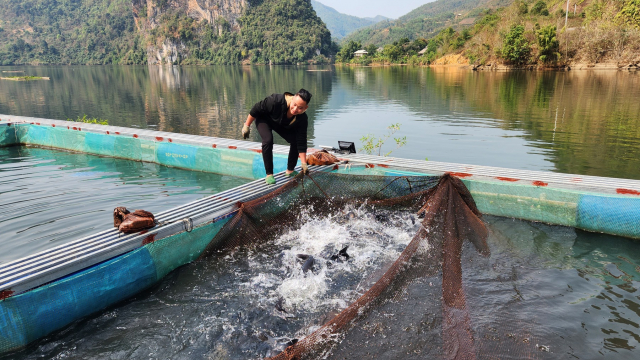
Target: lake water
x: 581, y: 122
x: 49, y: 197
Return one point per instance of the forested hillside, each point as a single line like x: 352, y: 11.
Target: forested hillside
x: 423, y: 22
x: 340, y: 24
x: 534, y: 33
x: 71, y: 31
x: 161, y: 31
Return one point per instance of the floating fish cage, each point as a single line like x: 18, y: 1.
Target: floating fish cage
x: 46, y: 291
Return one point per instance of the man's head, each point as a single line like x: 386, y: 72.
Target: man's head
x: 300, y: 102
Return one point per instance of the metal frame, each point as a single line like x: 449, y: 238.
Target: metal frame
x: 525, y: 177
x: 528, y: 177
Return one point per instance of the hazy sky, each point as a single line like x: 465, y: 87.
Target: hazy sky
x: 371, y: 8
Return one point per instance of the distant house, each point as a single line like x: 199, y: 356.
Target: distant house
x: 360, y: 53
x: 423, y: 51
x: 380, y: 49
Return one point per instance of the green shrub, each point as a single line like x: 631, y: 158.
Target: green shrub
x: 363, y: 60
x: 346, y: 52
x: 88, y: 120
x: 489, y: 20
x: 371, y: 50
x: 393, y: 52
x: 540, y: 8
x: 516, y: 48
x: 372, y: 144
x: 549, y: 47
x: 522, y: 8
x: 430, y: 57
x: 630, y: 13
x: 321, y: 60
x: 595, y: 10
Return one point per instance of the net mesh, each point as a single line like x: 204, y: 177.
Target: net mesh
x: 398, y: 316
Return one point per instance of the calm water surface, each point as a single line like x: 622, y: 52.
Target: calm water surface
x: 582, y: 122
x: 50, y: 197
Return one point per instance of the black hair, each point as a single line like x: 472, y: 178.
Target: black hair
x: 304, y: 95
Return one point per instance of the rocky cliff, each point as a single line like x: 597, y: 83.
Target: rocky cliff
x: 161, y: 31
x: 150, y: 15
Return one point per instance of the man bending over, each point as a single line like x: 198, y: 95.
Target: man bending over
x: 284, y: 114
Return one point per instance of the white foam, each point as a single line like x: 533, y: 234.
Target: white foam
x: 371, y: 244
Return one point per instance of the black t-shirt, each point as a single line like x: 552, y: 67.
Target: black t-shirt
x: 274, y: 109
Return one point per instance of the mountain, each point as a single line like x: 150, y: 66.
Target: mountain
x: 423, y: 22
x: 341, y: 24
x: 161, y: 31
x: 377, y: 19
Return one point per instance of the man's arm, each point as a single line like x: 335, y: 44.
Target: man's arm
x: 301, y: 139
x: 250, y: 120
x: 246, y: 129
x: 303, y: 163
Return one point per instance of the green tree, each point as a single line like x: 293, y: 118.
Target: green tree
x: 392, y: 52
x: 415, y: 46
x: 522, y: 8
x: 346, y: 52
x: 371, y: 50
x: 402, y: 41
x: 548, y: 44
x: 516, y: 48
x: 540, y: 8
x: 630, y: 13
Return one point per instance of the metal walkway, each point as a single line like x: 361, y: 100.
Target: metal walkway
x: 528, y: 177
x: 151, y: 135
x: 525, y: 177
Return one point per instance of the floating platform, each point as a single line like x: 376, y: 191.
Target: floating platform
x: 46, y: 291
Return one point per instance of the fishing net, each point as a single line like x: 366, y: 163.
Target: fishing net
x: 418, y: 307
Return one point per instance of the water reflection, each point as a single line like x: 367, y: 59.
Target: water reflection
x: 44, y: 194
x: 584, y: 122
x: 572, y: 290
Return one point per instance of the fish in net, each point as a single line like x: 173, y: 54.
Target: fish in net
x: 418, y: 307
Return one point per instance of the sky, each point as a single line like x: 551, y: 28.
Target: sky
x: 371, y: 8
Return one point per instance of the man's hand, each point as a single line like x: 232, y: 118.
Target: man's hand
x: 305, y: 168
x: 246, y: 130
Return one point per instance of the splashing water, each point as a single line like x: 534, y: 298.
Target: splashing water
x: 247, y: 303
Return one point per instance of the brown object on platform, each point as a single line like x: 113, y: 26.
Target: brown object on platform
x: 118, y: 215
x: 137, y: 221
x: 321, y: 157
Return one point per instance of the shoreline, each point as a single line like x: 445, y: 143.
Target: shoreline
x: 459, y: 61
x: 25, y: 78
x: 630, y: 67
x: 502, y: 67
x: 567, y: 67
